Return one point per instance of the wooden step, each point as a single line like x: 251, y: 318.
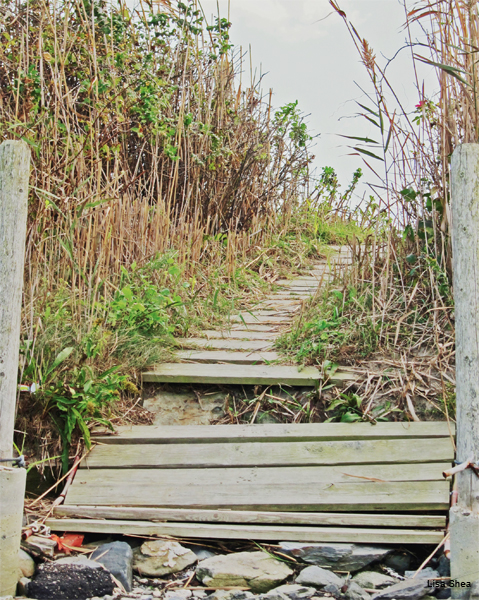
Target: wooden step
x: 271, y: 454
x: 135, y: 513
x: 250, y: 532
x: 255, y: 318
x: 224, y: 344
x: 222, y: 356
x: 232, y: 374
x: 239, y: 334
x: 278, y: 432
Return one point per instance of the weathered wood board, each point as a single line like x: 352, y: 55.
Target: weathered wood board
x: 134, y: 513
x: 279, y: 454
x: 232, y: 374
x: 225, y: 344
x: 286, y: 432
x: 239, y: 334
x: 223, y: 356
x: 251, y: 532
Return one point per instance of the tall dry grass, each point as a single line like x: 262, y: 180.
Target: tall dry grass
x: 142, y: 140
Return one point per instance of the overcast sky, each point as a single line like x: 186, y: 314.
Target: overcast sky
x: 311, y: 59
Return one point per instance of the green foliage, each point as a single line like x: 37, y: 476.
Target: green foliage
x: 347, y: 408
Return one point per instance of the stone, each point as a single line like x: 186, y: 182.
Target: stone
x: 202, y: 552
x: 355, y: 592
x: 318, y: 577
x: 373, y: 579
x: 444, y: 566
x: 178, y: 594
x: 409, y: 589
x: 428, y: 572
x: 26, y: 564
x: 398, y: 560
x: 183, y: 408
x: 343, y: 557
x: 257, y: 570
x: 69, y: 579
x: 41, y: 544
x: 230, y: 595
x: 443, y: 593
x: 295, y: 591
x: 156, y: 558
x: 22, y: 586
x: 116, y: 557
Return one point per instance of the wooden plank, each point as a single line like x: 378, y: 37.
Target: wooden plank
x: 239, y: 335
x: 225, y: 344
x: 115, y: 487
x: 271, y: 454
x: 233, y: 374
x: 222, y: 356
x: 254, y: 318
x: 254, y: 327
x: 135, y: 513
x: 278, y: 432
x: 250, y: 532
x: 277, y: 475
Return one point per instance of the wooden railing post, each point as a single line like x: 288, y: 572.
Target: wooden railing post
x: 14, y: 174
x: 464, y: 516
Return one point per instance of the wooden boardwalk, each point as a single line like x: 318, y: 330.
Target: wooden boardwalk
x: 329, y: 482
x: 243, y: 352
x: 336, y: 482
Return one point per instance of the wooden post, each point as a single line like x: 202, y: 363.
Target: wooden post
x: 464, y: 516
x: 14, y: 175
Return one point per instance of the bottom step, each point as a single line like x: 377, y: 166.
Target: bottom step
x: 276, y: 533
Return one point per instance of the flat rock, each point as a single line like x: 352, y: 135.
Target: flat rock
x: 317, y: 577
x: 256, y: 570
x: 373, y: 579
x: 74, y: 580
x: 157, y: 558
x: 295, y: 591
x: 179, y: 594
x: 343, y: 557
x: 428, y: 572
x: 231, y: 595
x: 399, y: 560
x: 26, y: 564
x: 184, y: 408
x: 355, y: 592
x: 116, y: 557
x: 41, y: 544
x: 409, y: 589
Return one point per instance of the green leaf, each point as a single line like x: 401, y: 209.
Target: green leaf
x: 367, y: 153
x: 453, y: 71
x: 361, y: 139
x: 350, y: 417
x: 63, y: 355
x: 368, y: 109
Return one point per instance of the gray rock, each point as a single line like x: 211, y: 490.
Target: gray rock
x: 177, y: 594
x: 157, y: 557
x: 26, y: 564
x: 273, y: 595
x: 202, y: 552
x: 230, y: 595
x: 70, y: 579
x: 355, y: 592
x: 256, y: 570
x: 332, y: 590
x: 398, y: 560
x: 343, y: 557
x: 116, y: 557
x: 41, y: 544
x: 427, y: 572
x: 443, y: 593
x: 444, y: 566
x: 373, y: 579
x: 318, y: 577
x: 409, y: 589
x: 295, y: 592
x: 22, y: 586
